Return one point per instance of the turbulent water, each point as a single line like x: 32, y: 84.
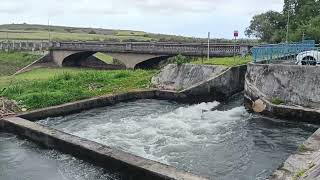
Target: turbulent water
x: 219, y: 141
x: 21, y: 159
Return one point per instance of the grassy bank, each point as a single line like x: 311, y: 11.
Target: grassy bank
x: 226, y: 61
x: 10, y: 62
x: 47, y: 87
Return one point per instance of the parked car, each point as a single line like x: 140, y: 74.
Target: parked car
x: 308, y: 58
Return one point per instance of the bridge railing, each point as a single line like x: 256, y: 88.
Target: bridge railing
x: 280, y: 51
x: 156, y: 48
x: 24, y: 46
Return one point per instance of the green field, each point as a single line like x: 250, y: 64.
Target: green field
x: 225, y: 61
x: 62, y: 33
x: 47, y: 87
x: 10, y: 62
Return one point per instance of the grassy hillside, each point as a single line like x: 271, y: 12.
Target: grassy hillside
x: 10, y: 62
x: 47, y: 87
x: 62, y: 33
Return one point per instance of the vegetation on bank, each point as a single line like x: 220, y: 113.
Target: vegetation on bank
x: 48, y: 87
x: 277, y: 101
x: 225, y: 61
x: 10, y: 62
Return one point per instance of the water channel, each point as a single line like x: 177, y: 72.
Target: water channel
x: 214, y: 140
x: 22, y: 159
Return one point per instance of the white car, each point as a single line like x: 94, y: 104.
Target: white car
x: 308, y: 58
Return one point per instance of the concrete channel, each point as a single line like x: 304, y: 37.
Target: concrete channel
x: 133, y: 166
x: 222, y: 84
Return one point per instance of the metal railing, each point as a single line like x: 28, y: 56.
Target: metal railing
x: 286, y: 51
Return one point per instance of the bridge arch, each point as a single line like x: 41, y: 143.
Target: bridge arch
x: 152, y: 63
x: 85, y: 58
x: 77, y: 59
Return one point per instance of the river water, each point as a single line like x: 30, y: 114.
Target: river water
x: 23, y: 160
x: 219, y: 141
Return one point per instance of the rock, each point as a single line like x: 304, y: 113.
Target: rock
x: 259, y: 106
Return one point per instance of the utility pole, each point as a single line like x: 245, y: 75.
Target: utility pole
x: 49, y: 33
x: 288, y: 22
x: 208, y: 57
x: 303, y: 36
x: 7, y: 41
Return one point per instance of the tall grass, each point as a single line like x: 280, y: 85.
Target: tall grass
x: 225, y: 61
x: 10, y: 62
x: 67, y: 86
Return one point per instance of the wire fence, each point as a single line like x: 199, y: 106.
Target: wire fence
x: 285, y: 51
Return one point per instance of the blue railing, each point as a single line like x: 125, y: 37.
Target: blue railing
x: 271, y: 52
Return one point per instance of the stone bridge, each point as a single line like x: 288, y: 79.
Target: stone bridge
x: 130, y: 54
x: 134, y: 55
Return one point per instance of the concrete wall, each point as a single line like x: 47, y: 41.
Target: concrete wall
x: 220, y: 87
x: 177, y: 78
x: 202, y: 82
x: 297, y: 86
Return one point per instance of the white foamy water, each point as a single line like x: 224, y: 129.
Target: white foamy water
x: 209, y: 139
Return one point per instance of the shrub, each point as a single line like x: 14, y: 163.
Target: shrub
x: 92, y: 32
x: 180, y: 59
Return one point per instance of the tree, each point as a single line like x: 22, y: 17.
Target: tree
x: 304, y: 19
x: 263, y: 26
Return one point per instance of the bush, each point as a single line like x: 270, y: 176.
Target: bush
x: 180, y: 59
x: 92, y: 32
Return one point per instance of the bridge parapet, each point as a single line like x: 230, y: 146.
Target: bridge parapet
x: 24, y: 45
x: 194, y: 49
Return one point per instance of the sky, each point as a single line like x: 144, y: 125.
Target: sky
x: 179, y: 17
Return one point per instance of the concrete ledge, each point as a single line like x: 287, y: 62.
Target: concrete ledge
x: 130, y: 166
x: 87, y: 104
x: 78, y: 106
x: 295, y: 113
x: 305, y: 164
